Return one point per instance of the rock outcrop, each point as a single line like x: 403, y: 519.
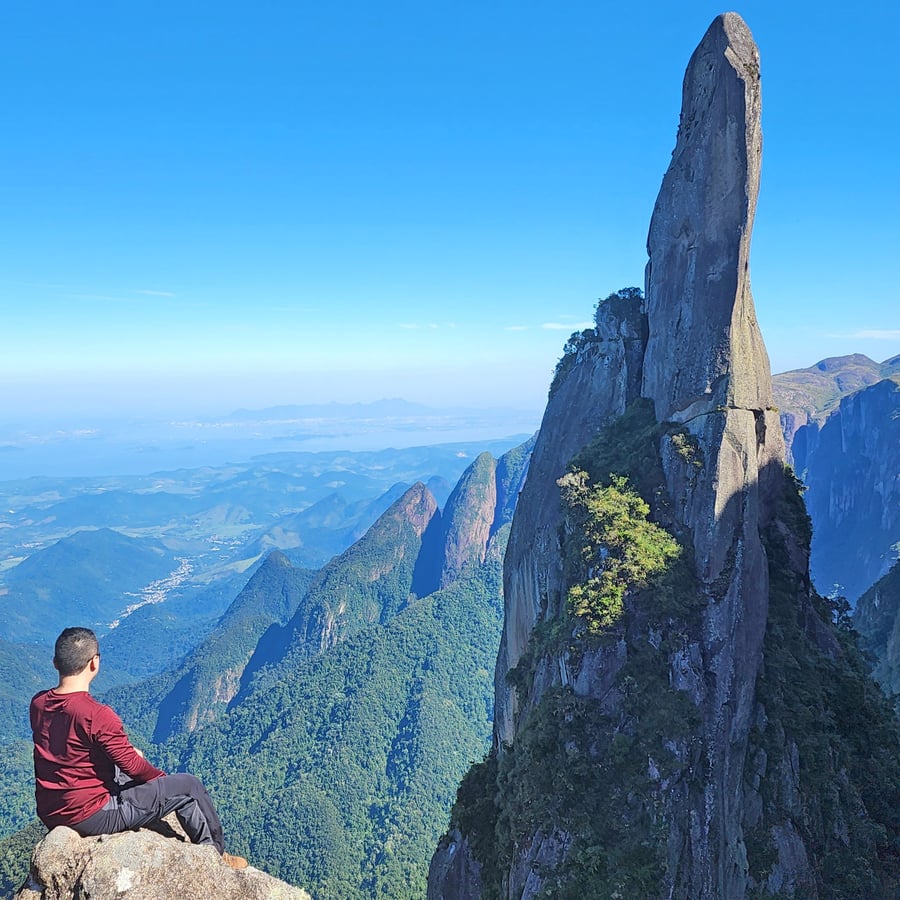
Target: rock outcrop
x: 141, y: 865
x: 467, y: 518
x: 653, y: 742
x: 705, y: 349
x: 454, y: 872
x: 603, y: 375
x: 704, y: 366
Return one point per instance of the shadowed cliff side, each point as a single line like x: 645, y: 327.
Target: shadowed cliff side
x: 877, y: 618
x: 841, y: 422
x: 677, y: 713
x: 852, y: 469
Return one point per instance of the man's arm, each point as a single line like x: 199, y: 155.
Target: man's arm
x: 110, y: 736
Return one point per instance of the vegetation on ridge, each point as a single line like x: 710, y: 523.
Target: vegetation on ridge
x: 615, y: 544
x: 337, y: 775
x: 623, y: 304
x: 584, y: 775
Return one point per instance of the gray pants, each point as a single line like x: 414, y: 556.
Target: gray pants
x: 138, y: 804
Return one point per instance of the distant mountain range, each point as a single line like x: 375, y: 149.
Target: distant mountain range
x: 101, y: 446
x: 84, y: 576
x: 99, y: 550
x: 811, y: 394
x: 395, y: 408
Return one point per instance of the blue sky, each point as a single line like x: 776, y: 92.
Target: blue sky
x: 216, y: 205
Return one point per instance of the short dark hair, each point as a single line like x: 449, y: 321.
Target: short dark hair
x: 75, y: 648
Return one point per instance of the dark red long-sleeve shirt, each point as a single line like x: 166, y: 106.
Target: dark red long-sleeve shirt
x: 78, y: 742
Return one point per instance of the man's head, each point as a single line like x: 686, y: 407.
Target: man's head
x: 75, y: 648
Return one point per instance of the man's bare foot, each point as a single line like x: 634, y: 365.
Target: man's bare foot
x: 236, y: 862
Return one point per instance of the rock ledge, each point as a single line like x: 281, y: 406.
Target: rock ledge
x: 141, y: 865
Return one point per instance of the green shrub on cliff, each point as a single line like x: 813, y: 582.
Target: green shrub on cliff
x: 614, y: 543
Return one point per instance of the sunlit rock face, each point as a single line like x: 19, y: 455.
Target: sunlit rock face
x: 604, y: 378
x: 705, y: 349
x: 468, y: 517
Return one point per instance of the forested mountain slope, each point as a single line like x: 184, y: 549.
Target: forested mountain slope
x: 201, y: 687
x: 95, y: 574
x: 338, y: 771
x: 337, y: 762
x: 333, y: 713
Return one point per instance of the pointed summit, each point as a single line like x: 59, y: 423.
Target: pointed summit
x: 705, y: 364
x: 705, y: 348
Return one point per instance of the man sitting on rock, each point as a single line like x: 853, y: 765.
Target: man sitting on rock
x: 78, y: 745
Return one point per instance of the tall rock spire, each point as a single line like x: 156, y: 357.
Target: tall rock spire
x: 706, y: 367
x: 705, y: 349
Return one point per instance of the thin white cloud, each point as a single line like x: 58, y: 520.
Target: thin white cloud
x: 567, y: 326
x: 516, y: 328
x: 874, y: 334
x: 104, y: 297
x: 156, y: 293
x: 433, y: 326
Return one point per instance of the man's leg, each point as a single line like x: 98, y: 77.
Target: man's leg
x: 141, y: 804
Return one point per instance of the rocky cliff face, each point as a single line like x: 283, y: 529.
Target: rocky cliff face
x: 806, y: 397
x: 850, y: 463
x: 648, y: 739
x: 877, y: 618
x: 840, y: 420
x: 141, y: 865
x: 706, y: 367
x: 467, y: 518
x: 603, y: 375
